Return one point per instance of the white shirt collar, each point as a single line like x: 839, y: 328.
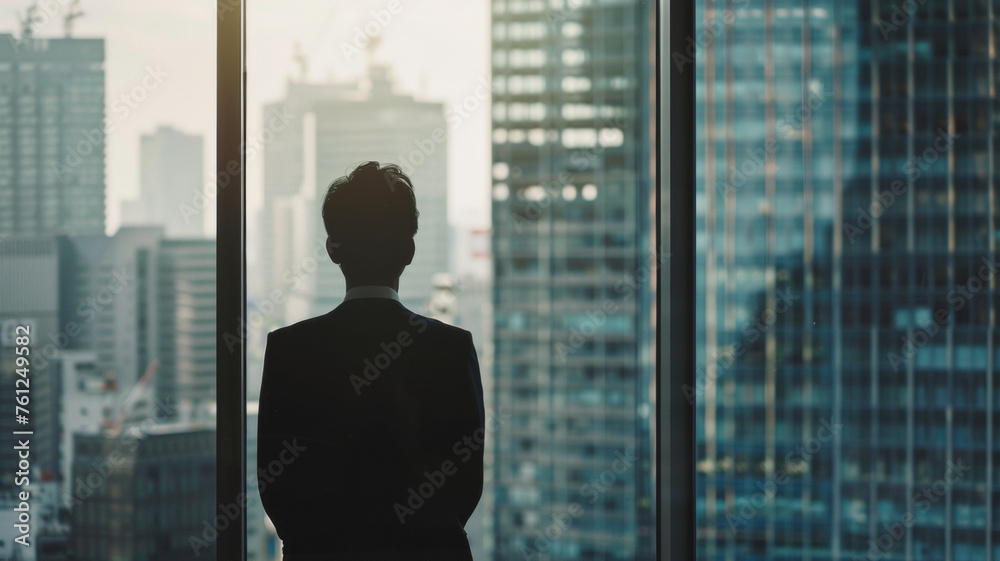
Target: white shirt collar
x: 371, y: 291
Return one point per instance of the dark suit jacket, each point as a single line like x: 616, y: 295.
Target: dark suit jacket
x: 370, y: 432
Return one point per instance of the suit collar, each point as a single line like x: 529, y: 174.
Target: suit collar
x: 371, y: 291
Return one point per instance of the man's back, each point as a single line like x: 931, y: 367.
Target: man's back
x: 370, y: 431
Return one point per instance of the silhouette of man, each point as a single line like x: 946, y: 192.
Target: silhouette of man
x: 371, y: 418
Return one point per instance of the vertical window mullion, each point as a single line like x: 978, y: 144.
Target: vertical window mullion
x: 231, y: 276
x: 676, y: 325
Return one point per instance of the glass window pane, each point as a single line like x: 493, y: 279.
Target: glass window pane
x: 525, y: 127
x: 107, y: 259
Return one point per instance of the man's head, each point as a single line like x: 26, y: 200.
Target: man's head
x: 371, y: 217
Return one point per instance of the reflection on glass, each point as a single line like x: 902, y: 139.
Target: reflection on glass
x: 846, y: 386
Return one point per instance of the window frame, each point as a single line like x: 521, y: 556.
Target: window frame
x: 231, y: 429
x: 675, y: 315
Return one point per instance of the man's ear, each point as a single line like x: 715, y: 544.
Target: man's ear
x: 333, y: 250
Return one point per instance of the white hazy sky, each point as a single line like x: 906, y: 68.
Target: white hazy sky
x: 438, y: 51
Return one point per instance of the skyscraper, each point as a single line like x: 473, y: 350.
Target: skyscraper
x: 846, y: 389
x: 171, y: 177
x: 289, y: 253
x: 389, y: 127
x: 772, y: 105
x: 52, y: 131
x: 143, y: 302
x: 917, y: 391
x: 335, y: 128
x: 572, y: 214
x: 111, y: 294
x: 186, y: 319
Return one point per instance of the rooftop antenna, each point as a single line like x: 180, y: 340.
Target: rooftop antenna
x: 372, y: 46
x: 29, y: 19
x: 300, y: 59
x: 378, y: 75
x: 73, y: 13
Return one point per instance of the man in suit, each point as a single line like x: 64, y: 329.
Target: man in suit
x: 371, y: 417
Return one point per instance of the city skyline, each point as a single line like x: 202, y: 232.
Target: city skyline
x: 845, y: 389
x: 143, y: 37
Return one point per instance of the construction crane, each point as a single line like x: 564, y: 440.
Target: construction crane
x: 72, y: 14
x: 29, y: 20
x: 373, y: 44
x: 300, y: 59
x: 140, y: 395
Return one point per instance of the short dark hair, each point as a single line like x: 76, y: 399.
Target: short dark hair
x: 371, y: 215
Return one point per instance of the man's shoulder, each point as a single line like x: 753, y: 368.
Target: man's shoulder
x: 346, y: 315
x: 298, y: 328
x: 424, y: 323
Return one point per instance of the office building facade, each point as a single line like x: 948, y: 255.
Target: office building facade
x: 52, y: 131
x: 573, y: 276
x: 186, y: 320
x: 171, y: 184
x: 29, y: 324
x: 387, y: 127
x: 156, y: 500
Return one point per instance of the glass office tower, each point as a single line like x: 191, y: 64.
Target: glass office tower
x: 52, y: 135
x: 846, y: 329
x: 572, y: 464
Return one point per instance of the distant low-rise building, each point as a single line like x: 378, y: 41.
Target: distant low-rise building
x: 151, y: 494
